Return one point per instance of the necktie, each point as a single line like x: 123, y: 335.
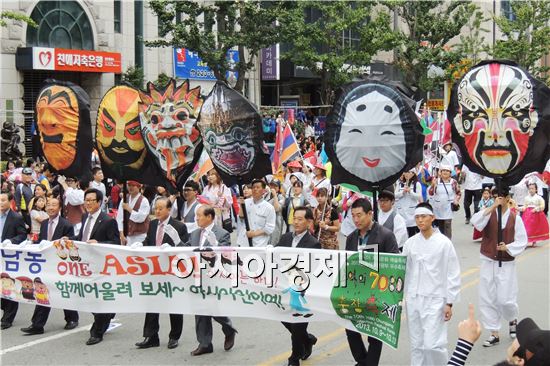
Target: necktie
x: 160, y: 235
x: 50, y: 229
x: 86, y: 233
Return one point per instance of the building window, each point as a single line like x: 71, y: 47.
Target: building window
x: 117, y: 17
x: 61, y: 24
x: 507, y: 10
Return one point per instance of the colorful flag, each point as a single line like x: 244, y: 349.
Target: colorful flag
x: 286, y: 147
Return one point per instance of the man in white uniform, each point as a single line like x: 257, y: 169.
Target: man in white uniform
x: 390, y: 219
x: 137, y: 209
x: 498, y: 285
x: 261, y: 215
x: 432, y: 286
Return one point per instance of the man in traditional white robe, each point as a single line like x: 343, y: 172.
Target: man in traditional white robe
x: 432, y: 286
x: 498, y: 285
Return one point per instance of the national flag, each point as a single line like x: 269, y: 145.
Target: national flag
x: 286, y: 147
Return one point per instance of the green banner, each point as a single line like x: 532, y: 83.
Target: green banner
x: 372, y: 296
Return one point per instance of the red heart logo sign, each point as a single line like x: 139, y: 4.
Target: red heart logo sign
x: 45, y: 57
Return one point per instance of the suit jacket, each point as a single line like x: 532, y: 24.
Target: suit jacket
x: 63, y: 228
x: 378, y: 235
x: 105, y: 230
x: 307, y: 241
x: 151, y: 238
x: 14, y: 228
x: 222, y: 236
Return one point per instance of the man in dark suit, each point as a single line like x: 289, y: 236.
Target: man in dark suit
x: 54, y: 228
x: 97, y: 227
x: 164, y: 230
x: 368, y: 232
x: 302, y: 341
x: 12, y: 228
x: 208, y: 235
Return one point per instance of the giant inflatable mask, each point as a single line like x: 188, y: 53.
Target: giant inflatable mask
x: 232, y: 133
x: 495, y: 111
x: 118, y: 133
x: 167, y: 117
x: 372, y: 135
x: 63, y: 120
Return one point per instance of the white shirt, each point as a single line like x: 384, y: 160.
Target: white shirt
x: 472, y: 181
x: 324, y: 182
x: 136, y: 216
x: 100, y: 186
x: 441, y: 199
x: 163, y: 223
x: 207, y: 235
x: 92, y: 218
x: 74, y: 196
x: 515, y: 248
x: 54, y: 223
x: 433, y: 269
x: 406, y: 202
x: 450, y: 159
x: 296, y: 239
x: 261, y: 216
x: 399, y: 226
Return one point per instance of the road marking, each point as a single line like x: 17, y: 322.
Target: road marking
x: 45, y: 339
x: 343, y: 346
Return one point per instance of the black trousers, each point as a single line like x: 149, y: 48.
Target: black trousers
x: 468, y: 197
x: 41, y: 314
x: 360, y: 353
x: 545, y: 197
x: 10, y: 310
x: 151, y: 326
x: 300, y: 339
x: 101, y: 323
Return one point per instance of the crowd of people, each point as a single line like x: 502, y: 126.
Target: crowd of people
x: 300, y: 208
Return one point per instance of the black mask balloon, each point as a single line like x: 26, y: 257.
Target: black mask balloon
x: 231, y: 129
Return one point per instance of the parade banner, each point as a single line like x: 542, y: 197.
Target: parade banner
x: 358, y: 290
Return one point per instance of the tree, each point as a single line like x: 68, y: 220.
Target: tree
x: 134, y: 76
x: 336, y: 39
x: 428, y: 27
x: 211, y: 29
x: 12, y: 15
x: 526, y: 38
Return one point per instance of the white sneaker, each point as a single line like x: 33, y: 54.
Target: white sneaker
x: 491, y: 341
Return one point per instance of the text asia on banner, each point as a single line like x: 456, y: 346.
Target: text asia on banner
x: 361, y: 291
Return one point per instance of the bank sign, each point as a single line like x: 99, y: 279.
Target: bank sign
x: 59, y: 59
x: 188, y: 65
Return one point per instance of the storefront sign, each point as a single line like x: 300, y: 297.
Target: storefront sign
x: 188, y: 65
x: 270, y: 63
x: 59, y: 59
x: 436, y: 104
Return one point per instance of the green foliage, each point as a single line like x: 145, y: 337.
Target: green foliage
x: 319, y: 45
x: 213, y: 28
x: 134, y: 76
x: 428, y: 28
x: 162, y: 80
x: 15, y: 16
x: 526, y: 39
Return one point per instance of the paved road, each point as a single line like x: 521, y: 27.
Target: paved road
x: 262, y: 342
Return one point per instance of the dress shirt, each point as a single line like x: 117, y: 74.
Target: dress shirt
x: 92, y: 218
x: 205, y: 234
x: 136, y: 216
x: 297, y: 237
x: 3, y: 217
x: 53, y: 222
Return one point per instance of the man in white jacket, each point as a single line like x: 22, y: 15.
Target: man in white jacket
x: 498, y: 283
x: 432, y: 286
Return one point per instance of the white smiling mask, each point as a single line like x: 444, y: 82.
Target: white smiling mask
x: 371, y: 144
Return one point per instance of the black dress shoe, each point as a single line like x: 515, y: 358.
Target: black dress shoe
x: 293, y: 363
x: 308, y: 349
x: 148, y: 342
x: 93, y: 340
x: 202, y: 350
x: 172, y: 343
x: 33, y: 330
x: 5, y: 325
x: 229, y: 341
x: 71, y: 325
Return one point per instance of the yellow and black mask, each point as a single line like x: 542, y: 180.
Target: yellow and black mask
x: 63, y: 120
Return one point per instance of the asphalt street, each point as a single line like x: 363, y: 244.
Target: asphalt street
x: 261, y: 342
